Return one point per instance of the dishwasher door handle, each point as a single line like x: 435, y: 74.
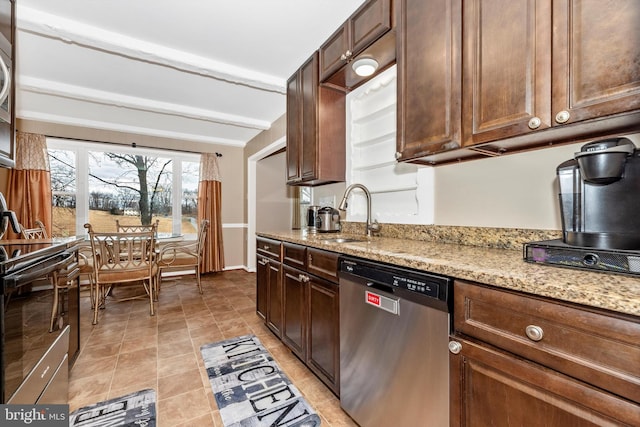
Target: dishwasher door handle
x: 384, y: 288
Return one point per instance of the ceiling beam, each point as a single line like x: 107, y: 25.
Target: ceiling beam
x: 118, y: 127
x: 79, y: 93
x: 70, y: 31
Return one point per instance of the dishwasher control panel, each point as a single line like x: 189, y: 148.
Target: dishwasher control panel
x: 423, y: 283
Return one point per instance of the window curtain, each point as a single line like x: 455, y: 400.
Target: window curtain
x: 29, y: 187
x: 210, y: 207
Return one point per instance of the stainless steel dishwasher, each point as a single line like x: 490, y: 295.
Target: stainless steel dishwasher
x: 394, y: 359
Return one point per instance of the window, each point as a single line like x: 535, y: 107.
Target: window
x: 94, y: 183
x: 63, y: 186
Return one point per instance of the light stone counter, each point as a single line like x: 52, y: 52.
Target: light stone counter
x: 499, y: 267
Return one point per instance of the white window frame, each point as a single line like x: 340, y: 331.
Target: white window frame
x: 82, y: 149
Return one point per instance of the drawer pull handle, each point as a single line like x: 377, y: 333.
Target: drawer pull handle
x: 535, y: 333
x: 455, y: 347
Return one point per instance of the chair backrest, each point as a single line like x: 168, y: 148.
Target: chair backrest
x: 132, y: 228
x: 202, y: 235
x: 39, y: 232
x: 127, y: 255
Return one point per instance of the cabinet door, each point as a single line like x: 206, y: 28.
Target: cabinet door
x: 309, y: 93
x: 274, y: 299
x: 294, y: 324
x: 262, y: 280
x: 506, y: 68
x: 428, y: 109
x: 493, y: 388
x: 333, y: 53
x: 294, y: 129
x: 323, y: 355
x: 368, y: 23
x: 596, y: 58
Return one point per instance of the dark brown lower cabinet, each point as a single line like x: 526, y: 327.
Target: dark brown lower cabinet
x: 274, y: 299
x: 311, y: 310
x: 523, y: 360
x: 294, y: 286
x: 490, y: 387
x: 262, y: 279
x: 269, y: 293
x: 323, y: 352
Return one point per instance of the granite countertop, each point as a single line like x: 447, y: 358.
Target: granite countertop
x: 503, y: 268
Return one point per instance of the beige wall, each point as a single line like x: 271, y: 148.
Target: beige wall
x: 265, y: 138
x: 273, y: 195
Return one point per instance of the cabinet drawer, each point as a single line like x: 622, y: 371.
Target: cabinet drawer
x: 597, y: 348
x: 294, y: 255
x: 268, y: 247
x: 323, y: 264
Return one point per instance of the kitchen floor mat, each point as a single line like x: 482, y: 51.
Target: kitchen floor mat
x: 250, y: 388
x: 133, y: 410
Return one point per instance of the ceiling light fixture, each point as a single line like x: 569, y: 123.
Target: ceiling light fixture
x: 364, y: 66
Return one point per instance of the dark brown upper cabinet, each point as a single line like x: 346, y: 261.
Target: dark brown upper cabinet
x: 367, y: 24
x: 531, y: 66
x: 315, y: 129
x: 429, y: 77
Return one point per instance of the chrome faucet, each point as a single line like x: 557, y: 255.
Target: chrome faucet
x: 372, y: 227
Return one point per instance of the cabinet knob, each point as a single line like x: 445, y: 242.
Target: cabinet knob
x: 263, y: 261
x: 535, y: 333
x: 534, y: 123
x: 455, y: 347
x: 398, y: 155
x: 266, y: 247
x: 563, y: 116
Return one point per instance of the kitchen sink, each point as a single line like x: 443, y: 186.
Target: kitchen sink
x: 343, y: 240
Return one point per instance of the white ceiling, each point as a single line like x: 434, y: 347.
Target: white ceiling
x: 209, y: 71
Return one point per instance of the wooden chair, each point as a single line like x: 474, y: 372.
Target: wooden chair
x: 39, y: 232
x: 123, y: 259
x: 62, y: 279
x: 85, y: 262
x: 183, y: 255
x: 133, y: 228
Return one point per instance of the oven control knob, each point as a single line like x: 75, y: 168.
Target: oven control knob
x: 455, y: 347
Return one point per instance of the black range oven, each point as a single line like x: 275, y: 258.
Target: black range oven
x: 38, y: 340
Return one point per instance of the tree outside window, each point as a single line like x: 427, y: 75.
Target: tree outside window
x: 133, y: 187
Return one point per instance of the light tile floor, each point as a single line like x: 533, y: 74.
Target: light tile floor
x: 128, y: 350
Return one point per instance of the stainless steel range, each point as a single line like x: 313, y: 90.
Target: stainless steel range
x: 394, y: 357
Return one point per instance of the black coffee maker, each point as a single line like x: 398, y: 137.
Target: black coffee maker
x: 600, y: 195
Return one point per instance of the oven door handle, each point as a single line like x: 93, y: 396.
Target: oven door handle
x: 37, y: 270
